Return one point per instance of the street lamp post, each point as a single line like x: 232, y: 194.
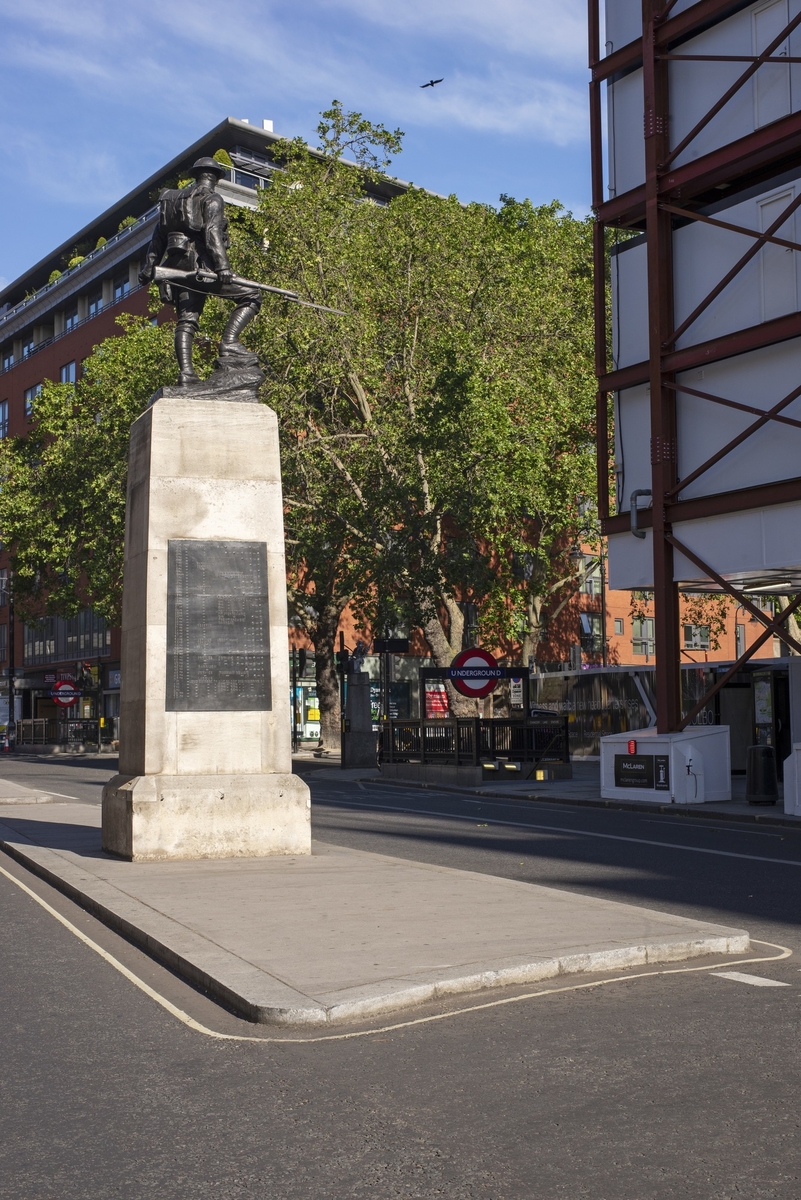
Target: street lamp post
x: 11, y: 728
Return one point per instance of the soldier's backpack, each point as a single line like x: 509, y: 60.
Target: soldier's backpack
x: 181, y: 209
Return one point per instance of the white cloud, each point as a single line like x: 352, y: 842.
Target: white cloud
x: 505, y: 71
x: 535, y: 28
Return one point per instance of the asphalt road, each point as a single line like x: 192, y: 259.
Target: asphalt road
x: 672, y: 1085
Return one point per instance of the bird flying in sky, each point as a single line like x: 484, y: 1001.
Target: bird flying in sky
x: 432, y: 82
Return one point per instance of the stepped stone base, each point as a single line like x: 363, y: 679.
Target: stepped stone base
x: 158, y: 817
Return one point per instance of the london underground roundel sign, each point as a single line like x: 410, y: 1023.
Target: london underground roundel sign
x: 474, y: 673
x: 65, y: 693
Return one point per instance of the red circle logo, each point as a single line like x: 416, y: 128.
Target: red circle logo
x: 65, y: 693
x: 474, y: 673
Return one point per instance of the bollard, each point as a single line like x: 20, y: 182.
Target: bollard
x: 760, y: 776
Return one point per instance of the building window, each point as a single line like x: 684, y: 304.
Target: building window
x: 591, y: 576
x: 591, y: 633
x: 70, y: 318
x: 642, y: 636
x: 8, y: 360
x: 4, y: 586
x: 28, y: 346
x: 67, y: 373
x: 618, y: 626
x: 58, y: 640
x: 95, y: 304
x: 696, y: 637
x: 30, y: 395
x: 121, y: 287
x: 3, y: 418
x: 3, y: 643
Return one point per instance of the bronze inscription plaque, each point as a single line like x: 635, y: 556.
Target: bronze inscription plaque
x: 218, y: 628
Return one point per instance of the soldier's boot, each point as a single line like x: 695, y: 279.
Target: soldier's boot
x: 184, y: 338
x: 230, y: 344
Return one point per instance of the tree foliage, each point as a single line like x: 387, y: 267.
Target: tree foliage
x: 62, y: 503
x: 436, y: 439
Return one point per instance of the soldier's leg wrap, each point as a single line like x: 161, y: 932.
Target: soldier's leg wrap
x: 243, y: 314
x: 185, y: 330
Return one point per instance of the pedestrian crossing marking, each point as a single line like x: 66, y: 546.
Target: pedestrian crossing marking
x: 754, y: 980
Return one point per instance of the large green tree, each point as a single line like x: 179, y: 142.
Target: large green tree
x: 435, y: 439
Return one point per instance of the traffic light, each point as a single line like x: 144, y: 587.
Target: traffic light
x: 343, y: 659
x: 301, y: 663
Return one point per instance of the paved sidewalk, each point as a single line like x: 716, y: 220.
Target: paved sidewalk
x: 343, y: 934
x: 14, y: 793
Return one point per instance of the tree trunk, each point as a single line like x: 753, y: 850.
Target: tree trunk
x: 445, y: 650
x: 535, y: 632
x: 324, y: 638
x: 791, y: 626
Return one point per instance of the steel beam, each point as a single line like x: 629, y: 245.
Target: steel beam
x: 734, y: 443
x: 668, y: 32
x: 770, y: 147
x: 749, y: 408
x: 772, y: 629
x: 763, y: 495
x: 734, y: 592
x: 659, y: 248
x: 729, y: 345
x: 731, y: 274
x: 752, y: 233
x: 721, y: 103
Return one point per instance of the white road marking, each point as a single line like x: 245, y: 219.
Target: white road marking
x: 612, y: 837
x: 754, y: 980
x: 784, y: 952
x: 61, y: 795
x: 710, y: 827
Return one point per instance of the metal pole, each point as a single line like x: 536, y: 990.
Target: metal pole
x: 385, y: 657
x: 294, y: 701
x: 663, y: 399
x: 341, y: 699
x: 11, y: 729
x: 604, y: 653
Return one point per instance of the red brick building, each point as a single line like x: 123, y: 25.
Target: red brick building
x: 51, y: 318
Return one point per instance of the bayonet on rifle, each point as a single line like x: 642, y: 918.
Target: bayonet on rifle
x: 186, y: 279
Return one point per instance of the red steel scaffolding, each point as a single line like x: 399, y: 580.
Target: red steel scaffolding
x: 672, y: 193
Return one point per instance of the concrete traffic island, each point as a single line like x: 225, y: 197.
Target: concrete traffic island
x: 340, y: 934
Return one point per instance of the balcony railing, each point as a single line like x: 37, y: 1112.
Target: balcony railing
x: 76, y: 325
x: 90, y: 257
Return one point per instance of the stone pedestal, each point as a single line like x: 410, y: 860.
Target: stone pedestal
x: 205, y: 732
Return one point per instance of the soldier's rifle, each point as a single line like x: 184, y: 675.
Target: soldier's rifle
x: 199, y: 281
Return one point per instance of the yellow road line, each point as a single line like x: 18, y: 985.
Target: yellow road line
x: 174, y: 1011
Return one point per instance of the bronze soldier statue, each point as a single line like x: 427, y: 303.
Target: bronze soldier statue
x: 191, y: 240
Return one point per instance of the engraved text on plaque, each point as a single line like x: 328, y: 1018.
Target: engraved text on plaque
x: 218, y: 629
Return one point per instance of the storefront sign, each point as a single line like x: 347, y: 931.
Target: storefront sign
x: 436, y: 701
x: 643, y: 771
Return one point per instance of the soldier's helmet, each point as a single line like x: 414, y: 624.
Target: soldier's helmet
x: 208, y: 164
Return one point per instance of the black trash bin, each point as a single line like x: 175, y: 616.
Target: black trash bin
x: 761, y: 786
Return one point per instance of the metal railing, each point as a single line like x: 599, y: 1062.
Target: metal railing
x: 76, y: 325
x: 56, y: 731
x: 472, y: 740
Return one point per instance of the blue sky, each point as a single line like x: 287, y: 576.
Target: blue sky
x: 99, y: 94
